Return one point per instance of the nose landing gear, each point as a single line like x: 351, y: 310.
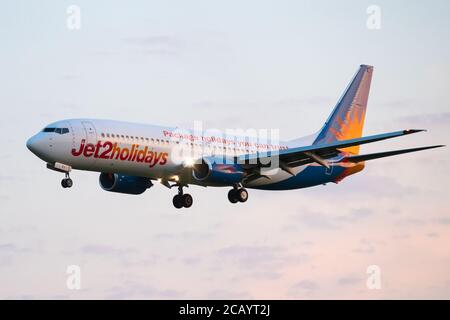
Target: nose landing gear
x: 182, y: 200
x: 64, y: 168
x: 67, y: 182
x: 237, y: 194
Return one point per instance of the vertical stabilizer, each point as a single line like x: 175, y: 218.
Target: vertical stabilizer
x: 347, y: 119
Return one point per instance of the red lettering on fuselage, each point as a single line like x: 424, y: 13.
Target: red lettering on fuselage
x: 97, y: 149
x: 89, y: 150
x: 76, y: 153
x: 107, y: 147
x: 110, y: 151
x: 156, y: 159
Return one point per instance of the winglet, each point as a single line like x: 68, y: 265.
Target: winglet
x: 409, y: 131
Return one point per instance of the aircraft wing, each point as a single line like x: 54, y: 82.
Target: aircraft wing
x: 314, y: 153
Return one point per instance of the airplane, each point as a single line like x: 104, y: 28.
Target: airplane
x: 130, y: 157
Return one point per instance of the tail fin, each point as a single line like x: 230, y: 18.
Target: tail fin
x: 347, y: 119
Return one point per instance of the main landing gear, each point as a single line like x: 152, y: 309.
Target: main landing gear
x: 182, y: 200
x: 237, y: 194
x: 67, y: 182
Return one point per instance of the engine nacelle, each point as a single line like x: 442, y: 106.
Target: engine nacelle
x: 219, y: 173
x: 115, y: 182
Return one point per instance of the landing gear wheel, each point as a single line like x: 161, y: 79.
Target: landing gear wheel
x: 182, y: 199
x: 186, y: 200
x: 232, y: 196
x: 67, y: 183
x: 177, y: 201
x: 242, y: 195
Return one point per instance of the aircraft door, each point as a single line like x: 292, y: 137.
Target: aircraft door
x: 91, y: 138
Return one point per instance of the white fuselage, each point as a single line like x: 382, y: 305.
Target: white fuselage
x: 155, y: 152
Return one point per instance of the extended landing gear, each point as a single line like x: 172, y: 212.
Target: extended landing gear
x: 182, y: 200
x: 67, y: 182
x: 64, y: 168
x: 237, y: 194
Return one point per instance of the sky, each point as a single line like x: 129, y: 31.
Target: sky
x: 230, y: 64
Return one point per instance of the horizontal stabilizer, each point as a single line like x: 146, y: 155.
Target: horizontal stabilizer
x: 372, y: 156
x: 327, y: 150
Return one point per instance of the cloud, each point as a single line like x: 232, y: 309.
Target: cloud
x: 326, y: 221
x: 251, y: 256
x: 8, y: 178
x: 134, y: 290
x: 307, y: 285
x: 22, y: 297
x: 433, y: 119
x: 5, y: 261
x: 106, y: 250
x: 255, y: 262
x: 191, y: 261
x: 127, y: 257
x: 228, y: 295
x: 315, y: 220
x: 411, y: 222
x: 370, y: 185
x: 397, y: 103
x: 8, y: 253
x: 12, y: 248
x: 365, y: 247
x: 69, y: 77
x: 156, y: 45
x: 184, y: 236
x: 244, y: 275
x: 350, y: 280
x: 444, y: 221
x: 432, y: 235
x: 355, y: 215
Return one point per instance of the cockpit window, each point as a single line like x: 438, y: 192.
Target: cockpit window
x: 57, y: 130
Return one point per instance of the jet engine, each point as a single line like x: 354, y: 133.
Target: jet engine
x: 120, y: 183
x: 218, y: 173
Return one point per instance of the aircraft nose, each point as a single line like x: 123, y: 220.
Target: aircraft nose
x: 30, y: 143
x: 37, y: 145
